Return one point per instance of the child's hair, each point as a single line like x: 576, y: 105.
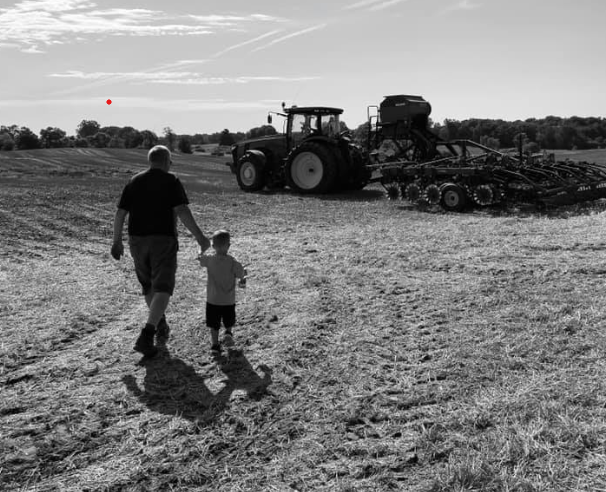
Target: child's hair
x: 158, y: 154
x: 220, y: 238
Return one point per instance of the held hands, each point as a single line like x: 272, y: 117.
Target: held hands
x: 200, y: 253
x: 203, y: 245
x: 117, y: 250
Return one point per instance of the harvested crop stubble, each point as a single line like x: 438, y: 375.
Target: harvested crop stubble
x: 377, y: 348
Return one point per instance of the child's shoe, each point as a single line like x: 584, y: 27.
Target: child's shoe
x: 215, y: 349
x: 228, y: 339
x: 145, y: 342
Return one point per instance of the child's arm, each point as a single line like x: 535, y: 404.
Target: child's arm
x: 242, y: 282
x: 202, y: 258
x: 240, y: 273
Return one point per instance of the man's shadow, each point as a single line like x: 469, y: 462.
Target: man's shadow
x: 173, y: 387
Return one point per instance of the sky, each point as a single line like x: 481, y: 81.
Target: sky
x: 203, y: 66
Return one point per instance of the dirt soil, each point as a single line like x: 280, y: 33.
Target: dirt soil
x: 378, y: 347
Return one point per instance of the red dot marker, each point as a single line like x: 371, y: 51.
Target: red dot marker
x: 109, y: 101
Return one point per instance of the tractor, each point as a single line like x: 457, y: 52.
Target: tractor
x: 311, y: 156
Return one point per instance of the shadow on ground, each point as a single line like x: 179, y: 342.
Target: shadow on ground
x: 173, y: 387
x: 364, y: 195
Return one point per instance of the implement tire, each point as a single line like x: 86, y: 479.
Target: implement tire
x: 311, y: 168
x: 453, y: 197
x: 250, y: 171
x: 412, y: 192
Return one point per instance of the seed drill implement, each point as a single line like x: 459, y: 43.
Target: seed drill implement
x: 417, y: 165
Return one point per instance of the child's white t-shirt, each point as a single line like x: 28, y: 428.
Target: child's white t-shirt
x: 221, y: 282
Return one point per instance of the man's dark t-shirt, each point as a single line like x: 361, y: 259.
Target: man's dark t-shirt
x: 149, y: 199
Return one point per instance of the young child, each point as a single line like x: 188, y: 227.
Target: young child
x: 223, y: 269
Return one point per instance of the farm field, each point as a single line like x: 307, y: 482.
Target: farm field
x: 378, y: 347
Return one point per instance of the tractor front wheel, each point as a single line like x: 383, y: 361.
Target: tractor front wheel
x: 249, y: 173
x: 311, y: 168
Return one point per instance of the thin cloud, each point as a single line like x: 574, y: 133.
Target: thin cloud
x: 32, y: 50
x: 100, y: 79
x: 52, y: 5
x: 75, y: 74
x: 33, y: 24
x: 385, y: 5
x: 231, y: 20
x: 462, y: 5
x: 192, y: 104
x: 142, y: 103
x: 291, y: 35
x: 373, y: 5
x: 181, y: 63
x: 178, y: 78
x: 361, y: 4
x: 231, y: 80
x: 246, y: 43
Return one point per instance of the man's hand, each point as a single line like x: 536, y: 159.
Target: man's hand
x: 117, y: 250
x: 204, y: 245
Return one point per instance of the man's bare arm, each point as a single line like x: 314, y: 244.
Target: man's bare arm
x: 117, y: 247
x: 185, y: 215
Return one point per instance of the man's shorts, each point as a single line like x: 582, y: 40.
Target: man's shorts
x: 155, y: 260
x: 214, y: 315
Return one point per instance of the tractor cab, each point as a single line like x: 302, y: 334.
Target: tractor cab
x: 303, y: 123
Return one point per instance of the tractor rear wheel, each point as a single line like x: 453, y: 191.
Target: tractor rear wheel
x: 453, y: 197
x: 249, y: 173
x: 311, y: 168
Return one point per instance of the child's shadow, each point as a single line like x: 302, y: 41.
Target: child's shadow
x: 241, y: 376
x: 173, y: 387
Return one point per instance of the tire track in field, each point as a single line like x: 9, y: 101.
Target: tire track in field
x: 346, y: 387
x: 63, y: 362
x: 84, y: 300
x: 385, y: 372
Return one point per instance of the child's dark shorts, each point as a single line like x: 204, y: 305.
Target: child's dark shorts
x: 214, y: 315
x: 155, y: 260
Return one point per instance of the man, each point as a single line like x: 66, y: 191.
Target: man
x: 153, y: 199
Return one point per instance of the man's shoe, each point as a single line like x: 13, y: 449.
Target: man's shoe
x: 145, y: 342
x: 163, y: 330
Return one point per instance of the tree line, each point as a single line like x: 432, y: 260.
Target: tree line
x: 551, y: 132
x: 90, y: 133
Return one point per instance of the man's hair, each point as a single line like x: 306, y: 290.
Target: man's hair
x: 220, y: 237
x: 158, y: 155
